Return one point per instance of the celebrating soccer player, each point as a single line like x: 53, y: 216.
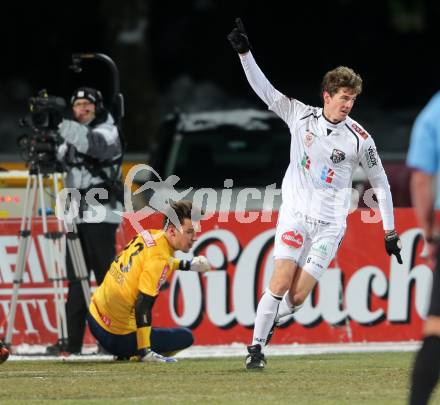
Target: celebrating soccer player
x: 326, y: 147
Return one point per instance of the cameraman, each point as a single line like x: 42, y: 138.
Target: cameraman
x: 91, y: 155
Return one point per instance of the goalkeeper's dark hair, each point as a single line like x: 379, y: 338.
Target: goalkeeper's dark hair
x: 184, y: 209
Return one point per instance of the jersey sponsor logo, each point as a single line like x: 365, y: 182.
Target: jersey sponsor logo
x: 319, y: 250
x: 162, y: 277
x: 148, y: 239
x: 314, y: 221
x: 337, y: 156
x: 327, y: 174
x: 371, y: 157
x: 306, y: 162
x: 309, y: 137
x: 360, y: 131
x: 293, y: 239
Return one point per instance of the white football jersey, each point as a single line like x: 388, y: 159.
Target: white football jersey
x: 323, y: 156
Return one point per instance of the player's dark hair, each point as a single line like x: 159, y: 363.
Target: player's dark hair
x: 184, y: 209
x: 340, y: 77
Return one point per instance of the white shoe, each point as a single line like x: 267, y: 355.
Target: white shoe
x: 153, y: 357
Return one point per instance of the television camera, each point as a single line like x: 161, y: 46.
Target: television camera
x: 38, y: 148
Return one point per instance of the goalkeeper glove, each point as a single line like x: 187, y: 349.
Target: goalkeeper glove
x: 198, y: 263
x: 393, y: 245
x: 238, y: 38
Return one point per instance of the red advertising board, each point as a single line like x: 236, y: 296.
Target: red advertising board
x: 364, y: 295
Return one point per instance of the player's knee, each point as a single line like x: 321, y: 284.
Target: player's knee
x: 278, y: 289
x: 298, y: 298
x: 282, y: 276
x: 279, y: 285
x: 186, y: 338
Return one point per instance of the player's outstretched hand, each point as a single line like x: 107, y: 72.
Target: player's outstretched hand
x: 238, y: 37
x: 153, y: 357
x: 393, y: 245
x: 200, y: 264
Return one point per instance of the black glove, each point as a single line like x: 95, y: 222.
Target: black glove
x: 393, y: 245
x: 238, y: 37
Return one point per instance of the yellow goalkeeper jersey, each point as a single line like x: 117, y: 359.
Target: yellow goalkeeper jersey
x: 143, y: 266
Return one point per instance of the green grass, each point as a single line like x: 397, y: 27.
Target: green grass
x: 372, y: 378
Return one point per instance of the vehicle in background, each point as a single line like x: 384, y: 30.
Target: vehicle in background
x: 204, y: 149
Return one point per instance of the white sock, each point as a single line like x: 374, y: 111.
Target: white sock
x: 286, y: 310
x: 286, y: 307
x: 266, y: 313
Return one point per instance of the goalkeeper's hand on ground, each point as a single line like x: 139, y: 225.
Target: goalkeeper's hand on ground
x: 153, y: 357
x: 393, y: 245
x: 238, y: 38
x: 198, y: 263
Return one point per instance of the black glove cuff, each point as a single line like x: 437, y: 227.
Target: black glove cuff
x: 391, y: 236
x: 393, y: 244
x: 185, y: 265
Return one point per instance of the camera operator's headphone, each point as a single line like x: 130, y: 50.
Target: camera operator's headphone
x: 91, y: 94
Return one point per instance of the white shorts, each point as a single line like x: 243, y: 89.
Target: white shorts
x: 309, y: 242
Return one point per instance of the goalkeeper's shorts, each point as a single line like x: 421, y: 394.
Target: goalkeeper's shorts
x: 163, y: 340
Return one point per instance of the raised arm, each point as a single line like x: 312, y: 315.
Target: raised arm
x: 276, y: 101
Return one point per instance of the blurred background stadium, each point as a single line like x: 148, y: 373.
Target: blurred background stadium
x: 175, y: 54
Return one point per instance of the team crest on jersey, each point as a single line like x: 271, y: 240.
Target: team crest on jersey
x: 309, y: 137
x: 337, y: 156
x: 293, y: 239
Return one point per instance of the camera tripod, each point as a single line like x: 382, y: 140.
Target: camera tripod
x: 54, y: 247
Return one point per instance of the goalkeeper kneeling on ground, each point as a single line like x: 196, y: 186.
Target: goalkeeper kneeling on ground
x: 120, y: 312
